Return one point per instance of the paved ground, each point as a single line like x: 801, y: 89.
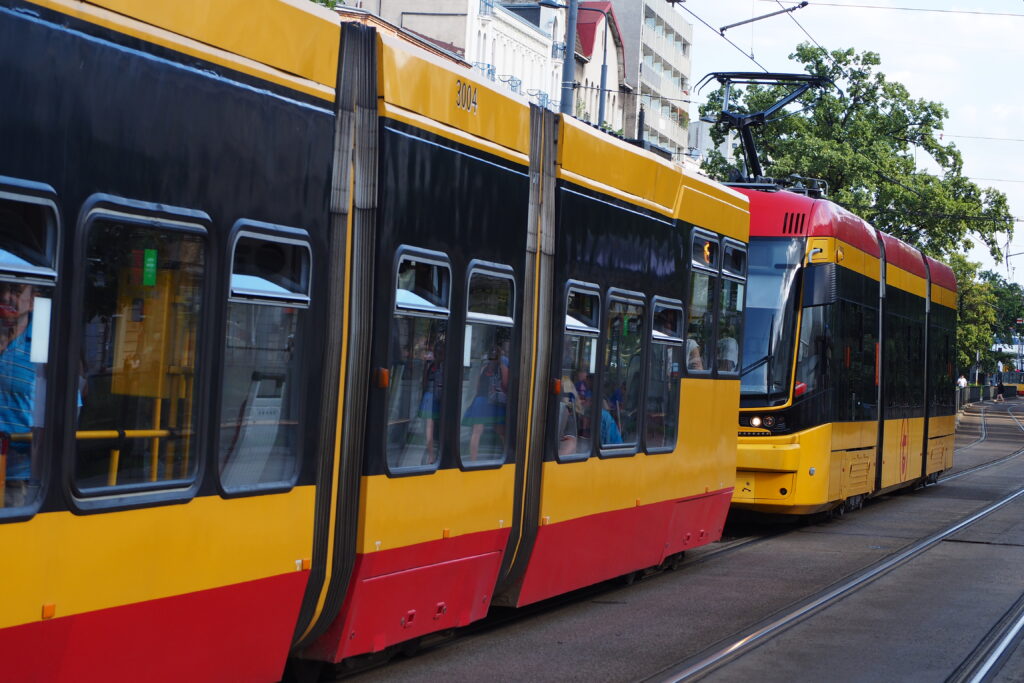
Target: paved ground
x: 916, y: 623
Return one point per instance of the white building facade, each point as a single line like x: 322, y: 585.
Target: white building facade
x: 520, y: 48
x: 599, y: 47
x: 657, y: 41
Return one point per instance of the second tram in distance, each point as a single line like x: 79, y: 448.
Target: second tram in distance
x: 847, y: 377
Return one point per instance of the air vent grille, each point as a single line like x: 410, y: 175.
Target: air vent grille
x: 793, y: 223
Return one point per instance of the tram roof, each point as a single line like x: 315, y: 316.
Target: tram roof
x: 788, y: 214
x: 942, y: 274
x: 902, y: 255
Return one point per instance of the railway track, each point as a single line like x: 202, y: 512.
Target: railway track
x: 695, y: 668
x: 996, y: 644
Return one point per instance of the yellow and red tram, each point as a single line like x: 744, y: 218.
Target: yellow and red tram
x: 848, y: 360
x: 319, y: 343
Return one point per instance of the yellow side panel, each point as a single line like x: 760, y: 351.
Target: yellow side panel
x: 852, y: 258
x: 941, y: 435
x: 858, y: 472
x: 91, y: 562
x: 296, y: 42
x: 704, y: 461
x: 292, y: 35
x: 806, y: 457
x: 589, y: 153
x: 901, y: 454
x: 943, y: 296
x: 403, y: 511
x: 940, y: 453
x: 714, y: 208
x: 943, y: 425
x: 849, y: 435
x: 816, y: 468
x: 440, y: 91
x: 907, y: 281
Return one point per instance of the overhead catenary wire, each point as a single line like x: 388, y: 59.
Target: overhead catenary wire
x: 912, y: 9
x: 715, y: 31
x: 827, y: 53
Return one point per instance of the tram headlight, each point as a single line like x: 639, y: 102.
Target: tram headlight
x: 769, y: 421
x: 755, y: 421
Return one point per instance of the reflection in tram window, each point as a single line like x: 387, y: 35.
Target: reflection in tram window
x: 700, y: 326
x: 486, y: 371
x: 27, y: 236
x: 140, y: 315
x: 419, y: 343
x: 575, y: 428
x: 259, y: 419
x: 662, y: 416
x: 730, y: 321
x: 620, y: 404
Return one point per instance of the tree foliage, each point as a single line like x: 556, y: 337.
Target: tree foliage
x: 867, y: 138
x: 976, y: 313
x: 1009, y: 306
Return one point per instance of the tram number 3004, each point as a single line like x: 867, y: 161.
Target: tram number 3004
x: 465, y: 96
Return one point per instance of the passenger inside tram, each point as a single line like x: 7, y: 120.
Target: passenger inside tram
x: 17, y: 392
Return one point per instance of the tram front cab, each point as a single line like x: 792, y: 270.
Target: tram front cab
x: 847, y: 361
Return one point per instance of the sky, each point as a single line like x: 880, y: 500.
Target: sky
x: 967, y: 56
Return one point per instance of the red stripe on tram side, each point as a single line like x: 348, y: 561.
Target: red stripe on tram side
x: 235, y: 633
x: 399, y: 594
x: 583, y: 551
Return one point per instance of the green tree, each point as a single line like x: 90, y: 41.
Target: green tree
x: 866, y: 138
x: 976, y: 314
x: 1009, y: 306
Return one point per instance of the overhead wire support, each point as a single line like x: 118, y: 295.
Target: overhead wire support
x: 744, y: 122
x: 764, y: 16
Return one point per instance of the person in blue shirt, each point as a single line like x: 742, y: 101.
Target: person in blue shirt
x: 17, y: 388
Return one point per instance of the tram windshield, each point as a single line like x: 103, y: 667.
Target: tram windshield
x: 771, y: 311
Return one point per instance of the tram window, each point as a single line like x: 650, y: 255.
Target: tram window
x: 700, y: 327
x: 734, y: 261
x: 811, y: 355
x: 486, y: 370
x: 730, y: 320
x: 705, y: 251
x: 419, y: 344
x: 27, y: 244
x: 620, y: 394
x: 258, y: 442
x: 662, y: 403
x: 141, y: 312
x: 574, y: 429
x: 27, y: 236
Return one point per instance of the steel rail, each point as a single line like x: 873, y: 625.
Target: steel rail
x: 991, y: 653
x: 701, y: 665
x: 984, y: 434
